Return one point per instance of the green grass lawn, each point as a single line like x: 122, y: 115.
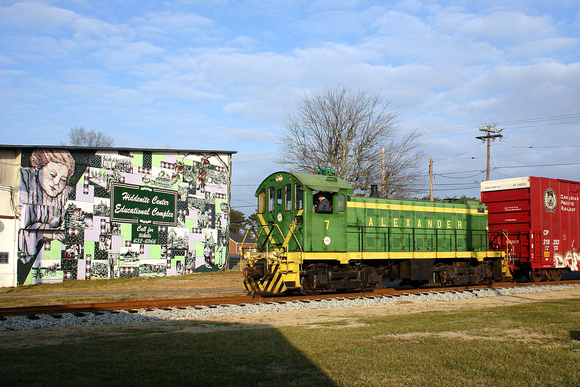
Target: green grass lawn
x: 530, y: 344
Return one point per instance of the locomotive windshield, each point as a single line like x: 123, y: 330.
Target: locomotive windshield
x: 298, y: 202
x: 271, y: 199
x: 288, y: 197
x: 282, y: 198
x: 262, y: 202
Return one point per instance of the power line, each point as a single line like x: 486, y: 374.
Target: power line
x: 546, y: 147
x: 537, y: 165
x: 509, y: 166
x: 518, y: 124
x: 460, y: 154
x: 543, y: 119
x: 454, y: 184
x: 461, y: 177
x: 539, y: 126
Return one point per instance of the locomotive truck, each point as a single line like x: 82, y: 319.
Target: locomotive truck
x: 355, y: 242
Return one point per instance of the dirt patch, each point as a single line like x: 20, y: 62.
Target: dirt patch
x: 216, y: 284
x: 524, y: 336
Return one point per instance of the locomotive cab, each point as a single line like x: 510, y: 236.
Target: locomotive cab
x: 297, y: 213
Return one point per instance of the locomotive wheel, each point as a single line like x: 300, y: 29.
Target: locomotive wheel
x: 554, y: 274
x: 307, y: 286
x: 536, y: 276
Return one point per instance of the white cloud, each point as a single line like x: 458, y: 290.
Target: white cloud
x: 34, y: 49
x: 394, y: 23
x: 178, y: 21
x: 4, y: 60
x: 176, y: 89
x: 522, y: 91
x: 448, y: 21
x: 243, y: 41
x: 333, y: 4
x: 508, y: 27
x: 255, y: 109
x: 230, y: 69
x: 244, y: 136
x: 94, y: 28
x: 35, y: 16
x: 408, y: 6
x: 120, y: 52
x: 545, y: 49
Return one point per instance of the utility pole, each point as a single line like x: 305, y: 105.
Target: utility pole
x: 431, y: 178
x: 383, y: 175
x: 491, y: 134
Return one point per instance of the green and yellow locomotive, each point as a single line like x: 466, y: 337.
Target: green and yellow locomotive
x: 315, y: 235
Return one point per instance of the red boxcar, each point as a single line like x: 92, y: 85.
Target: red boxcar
x: 536, y: 220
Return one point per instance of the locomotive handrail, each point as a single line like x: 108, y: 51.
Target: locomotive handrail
x: 285, y: 238
x: 291, y: 231
x: 241, y: 249
x: 281, y: 244
x: 257, y: 237
x: 269, y: 231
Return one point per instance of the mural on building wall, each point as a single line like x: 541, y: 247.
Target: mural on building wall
x: 110, y: 214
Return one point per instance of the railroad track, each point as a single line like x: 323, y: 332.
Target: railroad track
x: 100, y: 307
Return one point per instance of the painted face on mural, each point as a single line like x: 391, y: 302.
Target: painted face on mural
x: 53, y: 178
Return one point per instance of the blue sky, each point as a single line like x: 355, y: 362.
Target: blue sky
x: 219, y: 74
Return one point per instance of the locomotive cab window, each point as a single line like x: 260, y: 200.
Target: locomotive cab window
x: 341, y: 202
x: 288, y: 197
x: 323, y: 202
x: 298, y: 197
x: 271, y: 199
x: 262, y: 202
x: 279, y: 197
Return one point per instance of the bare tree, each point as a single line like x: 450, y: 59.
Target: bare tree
x: 403, y: 174
x: 346, y: 130
x: 78, y: 136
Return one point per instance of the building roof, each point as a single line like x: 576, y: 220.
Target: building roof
x: 239, y: 238
x: 119, y: 149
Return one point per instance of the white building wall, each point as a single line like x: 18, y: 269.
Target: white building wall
x: 9, y: 211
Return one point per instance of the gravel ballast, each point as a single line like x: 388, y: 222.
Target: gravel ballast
x: 15, y: 323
